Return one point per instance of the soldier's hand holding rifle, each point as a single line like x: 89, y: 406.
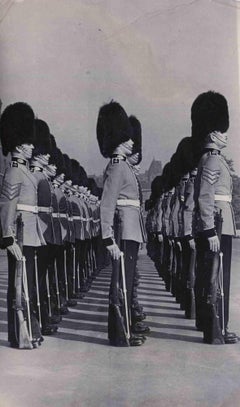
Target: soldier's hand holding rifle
x: 192, y: 244
x: 15, y: 251
x: 214, y: 244
x: 114, y: 251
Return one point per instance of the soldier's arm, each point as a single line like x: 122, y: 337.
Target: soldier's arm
x: 112, y: 187
x: 159, y: 220
x: 9, y: 197
x: 188, y: 208
x: 209, y: 177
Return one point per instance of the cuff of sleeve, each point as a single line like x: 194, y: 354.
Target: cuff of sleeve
x: 208, y: 233
x: 6, y: 241
x: 108, y: 241
x: 188, y: 237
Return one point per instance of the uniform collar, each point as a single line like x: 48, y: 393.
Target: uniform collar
x: 213, y: 151
x: 119, y: 156
x: 34, y: 168
x: 19, y: 160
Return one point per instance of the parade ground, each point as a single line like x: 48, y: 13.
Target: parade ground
x: 77, y: 368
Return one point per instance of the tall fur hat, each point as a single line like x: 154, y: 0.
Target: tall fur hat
x: 53, y: 141
x: 137, y: 136
x: 92, y: 185
x: 209, y: 113
x: 113, y: 128
x: 17, y: 126
x: 56, y: 158
x: 185, y: 155
x: 83, y: 179
x: 43, y: 143
x: 166, y: 177
x: 75, y: 171
x: 68, y: 167
x: 157, y: 187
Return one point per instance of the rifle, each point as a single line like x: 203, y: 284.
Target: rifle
x: 48, y: 295
x: 21, y: 330
x: 74, y: 271
x: 212, y: 331
x: 190, y: 310
x: 37, y: 291
x: 117, y: 332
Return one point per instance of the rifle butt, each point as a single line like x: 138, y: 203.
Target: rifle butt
x: 23, y: 335
x: 190, y: 310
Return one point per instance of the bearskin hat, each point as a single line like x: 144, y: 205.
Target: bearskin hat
x: 83, y: 179
x: 137, y: 136
x: 68, y: 167
x: 53, y: 141
x: 166, y: 177
x: 157, y: 187
x: 56, y: 158
x: 17, y: 126
x: 209, y: 113
x: 75, y: 171
x: 113, y: 128
x: 92, y: 185
x: 43, y: 140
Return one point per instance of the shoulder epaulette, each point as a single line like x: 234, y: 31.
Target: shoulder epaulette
x: 16, y: 160
x: 116, y: 159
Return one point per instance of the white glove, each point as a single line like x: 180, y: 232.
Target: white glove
x: 114, y: 251
x: 214, y: 244
x: 192, y: 244
x: 15, y: 251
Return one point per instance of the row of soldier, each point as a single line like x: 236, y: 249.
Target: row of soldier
x: 190, y: 221
x: 49, y: 212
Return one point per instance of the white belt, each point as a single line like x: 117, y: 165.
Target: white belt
x: 45, y: 209
x: 225, y: 198
x: 62, y: 215
x: 76, y: 217
x: 128, y: 202
x: 55, y: 215
x: 27, y: 208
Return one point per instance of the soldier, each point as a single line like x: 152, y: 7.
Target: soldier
x: 121, y: 193
x: 38, y: 165
x: 213, y: 191
x: 56, y: 262
x: 19, y: 196
x: 137, y: 314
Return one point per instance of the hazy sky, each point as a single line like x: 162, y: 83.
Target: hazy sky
x: 68, y: 57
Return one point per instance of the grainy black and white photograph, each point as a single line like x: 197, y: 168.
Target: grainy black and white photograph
x: 119, y: 203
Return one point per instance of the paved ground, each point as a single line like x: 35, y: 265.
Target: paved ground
x: 77, y: 368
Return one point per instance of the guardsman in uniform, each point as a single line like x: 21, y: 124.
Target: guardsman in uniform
x: 56, y: 262
x: 38, y: 164
x: 213, y: 192
x: 19, y: 196
x: 78, y: 228
x: 121, y: 193
x: 189, y: 248
x: 70, y: 239
x: 137, y: 314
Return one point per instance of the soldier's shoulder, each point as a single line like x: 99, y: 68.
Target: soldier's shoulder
x: 211, y: 159
x: 13, y: 173
x: 211, y: 167
x: 116, y: 166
